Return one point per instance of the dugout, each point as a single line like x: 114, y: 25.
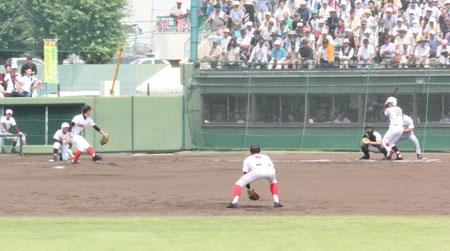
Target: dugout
x: 296, y: 109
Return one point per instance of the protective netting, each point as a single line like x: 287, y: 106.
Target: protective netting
x: 313, y: 109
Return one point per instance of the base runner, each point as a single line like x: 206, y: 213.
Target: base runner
x: 256, y: 166
x: 6, y: 122
x: 59, y: 138
x: 408, y: 134
x: 78, y: 124
x: 372, y: 143
x: 395, y: 130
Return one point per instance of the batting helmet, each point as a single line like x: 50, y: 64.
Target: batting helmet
x: 392, y: 100
x: 255, y: 148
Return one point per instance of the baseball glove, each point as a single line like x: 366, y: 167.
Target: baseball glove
x: 105, y: 139
x: 252, y: 194
x: 366, y: 140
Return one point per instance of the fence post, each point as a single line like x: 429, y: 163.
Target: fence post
x: 132, y: 124
x: 46, y: 125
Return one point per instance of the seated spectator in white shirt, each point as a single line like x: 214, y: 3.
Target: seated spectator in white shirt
x: 341, y: 119
x: 371, y: 21
x: 245, y: 46
x: 179, y: 10
x: 359, y: 9
x: 324, y: 11
x: 433, y: 41
x: 443, y: 54
x: 422, y: 54
x: 278, y: 56
x: 366, y: 53
x: 293, y: 55
x: 266, y: 33
x: 343, y: 12
x: 282, y: 8
x: 387, y: 53
x: 283, y: 31
x: 406, y: 52
x: 214, y: 53
x: 306, y: 57
x: 268, y: 18
x: 402, y: 37
x: 259, y: 55
x: 345, y: 54
x: 323, y: 36
x: 28, y: 83
x: 225, y: 39
x: 231, y: 56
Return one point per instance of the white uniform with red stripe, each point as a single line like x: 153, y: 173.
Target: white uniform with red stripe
x: 8, y: 122
x: 61, y: 136
x: 395, y: 130
x: 80, y: 123
x: 257, y: 166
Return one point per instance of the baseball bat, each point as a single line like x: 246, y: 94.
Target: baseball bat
x: 395, y: 90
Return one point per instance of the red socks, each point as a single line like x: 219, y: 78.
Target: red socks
x: 77, y: 155
x: 274, y: 190
x: 91, y: 151
x: 236, y: 193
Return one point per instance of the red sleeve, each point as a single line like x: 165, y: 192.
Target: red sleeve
x: 17, y: 128
x: 5, y: 126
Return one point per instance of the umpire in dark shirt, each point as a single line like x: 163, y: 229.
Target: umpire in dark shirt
x: 28, y: 64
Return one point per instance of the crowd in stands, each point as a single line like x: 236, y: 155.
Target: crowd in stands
x: 23, y: 84
x: 292, y: 34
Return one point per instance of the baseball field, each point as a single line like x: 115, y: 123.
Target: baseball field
x: 332, y: 201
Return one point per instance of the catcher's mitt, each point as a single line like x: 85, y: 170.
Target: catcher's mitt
x: 366, y: 140
x: 252, y: 194
x: 105, y: 139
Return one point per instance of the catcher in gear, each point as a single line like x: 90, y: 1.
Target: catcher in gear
x: 256, y: 166
x: 371, y: 142
x: 77, y: 126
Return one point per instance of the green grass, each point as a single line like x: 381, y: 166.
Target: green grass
x: 227, y: 233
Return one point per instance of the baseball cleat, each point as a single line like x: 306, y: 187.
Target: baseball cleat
x: 75, y: 163
x: 419, y: 156
x: 232, y: 205
x: 14, y: 150
x: 96, y: 157
x: 399, y: 158
x: 364, y: 157
x: 277, y: 204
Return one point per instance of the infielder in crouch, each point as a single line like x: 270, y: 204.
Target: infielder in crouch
x: 395, y: 130
x: 408, y: 134
x: 256, y: 166
x: 6, y: 122
x: 59, y: 138
x: 373, y: 144
x: 80, y: 122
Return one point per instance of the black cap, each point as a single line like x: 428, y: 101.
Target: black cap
x: 29, y: 58
x: 86, y: 108
x: 255, y: 148
x: 369, y: 126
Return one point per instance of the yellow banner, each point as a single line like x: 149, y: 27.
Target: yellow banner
x: 51, y: 61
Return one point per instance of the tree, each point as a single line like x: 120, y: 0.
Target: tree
x: 90, y: 28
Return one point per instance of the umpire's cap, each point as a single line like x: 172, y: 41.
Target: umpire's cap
x: 86, y: 108
x: 255, y: 148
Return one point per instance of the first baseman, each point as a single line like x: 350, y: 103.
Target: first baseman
x: 256, y: 166
x: 78, y: 124
x: 6, y: 122
x: 395, y: 130
x: 60, y: 136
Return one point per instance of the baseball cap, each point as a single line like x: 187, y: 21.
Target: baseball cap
x: 321, y: 21
x: 433, y: 32
x: 344, y: 3
x: 226, y: 30
x: 367, y: 11
x: 346, y: 40
x: 332, y: 10
x: 267, y: 13
x: 277, y: 42
x: 414, y: 30
x: 215, y: 40
x: 29, y: 58
x: 325, y: 1
x: 292, y: 33
x: 444, y: 42
x: 179, y: 2
x: 9, y: 111
x: 389, y: 9
x: 403, y: 28
x: 400, y: 19
x: 300, y: 24
x: 64, y: 125
x: 308, y: 29
x: 249, y: 23
x: 236, y: 3
x: 302, y: 3
x: 428, y: 9
x: 86, y: 108
x: 358, y: 1
x: 367, y: 31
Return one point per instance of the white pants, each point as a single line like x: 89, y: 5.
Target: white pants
x: 411, y: 137
x: 391, y: 137
x: 257, y: 174
x: 14, y: 140
x: 64, y: 150
x: 279, y: 64
x: 80, y: 142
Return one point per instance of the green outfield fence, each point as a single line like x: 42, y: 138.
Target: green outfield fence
x: 297, y: 109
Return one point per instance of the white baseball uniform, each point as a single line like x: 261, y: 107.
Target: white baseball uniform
x: 257, y: 166
x: 80, y: 123
x: 409, y: 124
x: 61, y: 136
x: 9, y: 122
x: 395, y: 130
x: 373, y: 148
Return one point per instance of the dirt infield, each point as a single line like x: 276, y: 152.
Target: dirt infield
x: 201, y: 184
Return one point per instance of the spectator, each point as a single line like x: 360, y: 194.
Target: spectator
x: 266, y: 33
x: 300, y: 30
x: 306, y: 58
x: 324, y: 11
x: 205, y: 11
x: 293, y: 55
x: 345, y: 54
x: 319, y: 28
x: 339, y: 34
x: 445, y: 119
x: 282, y: 8
x: 359, y: 10
x: 415, y: 37
x: 374, y: 11
x: 441, y: 20
x: 11, y: 81
x: 368, y: 35
x: 433, y: 41
x: 430, y: 7
x: 401, y: 38
x: 422, y: 53
x: 238, y: 119
x: 445, y: 30
x: 332, y: 22
x: 366, y: 54
x: 313, y: 5
x: 225, y: 39
x: 245, y: 46
x: 292, y: 5
x: 290, y: 118
x: 314, y: 20
x: 370, y: 20
x: 324, y: 36
x: 236, y: 18
x: 310, y: 38
x: 268, y: 18
x: 431, y: 26
x: 413, y: 12
x: 405, y: 52
x: 250, y: 30
x: 249, y: 6
x: 353, y: 21
x: 231, y: 56
x: 218, y: 19
x: 397, y: 27
x: 258, y: 56
x: 292, y: 39
x: 304, y: 11
x: 283, y: 31
x: 443, y: 54
x: 28, y: 83
x: 344, y: 12
x: 263, y: 10
x: 227, y: 8
x: 179, y: 10
x: 278, y: 56
x: 325, y: 55
x: 28, y: 64
x: 214, y: 53
x: 389, y: 19
x: 288, y: 20
x: 341, y: 119
x: 387, y: 53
